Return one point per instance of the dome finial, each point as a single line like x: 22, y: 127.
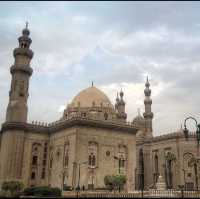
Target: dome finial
x: 147, y: 84
x: 27, y: 25
x: 25, y: 31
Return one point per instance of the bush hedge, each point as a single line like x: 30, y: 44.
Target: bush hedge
x: 12, y: 188
x: 40, y: 191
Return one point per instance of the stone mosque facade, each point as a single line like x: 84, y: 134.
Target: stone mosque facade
x: 92, y: 139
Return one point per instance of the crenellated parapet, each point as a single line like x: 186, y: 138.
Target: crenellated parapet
x: 40, y: 127
x: 169, y: 136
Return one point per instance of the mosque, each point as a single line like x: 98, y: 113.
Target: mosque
x: 92, y: 139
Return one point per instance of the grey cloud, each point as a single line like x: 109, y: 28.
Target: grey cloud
x: 159, y: 39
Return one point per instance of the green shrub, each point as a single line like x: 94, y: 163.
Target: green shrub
x: 13, y: 188
x: 5, y: 194
x: 114, y: 181
x: 120, y: 180
x: 109, y: 182
x: 40, y: 191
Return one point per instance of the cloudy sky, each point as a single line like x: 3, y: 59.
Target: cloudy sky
x: 114, y: 44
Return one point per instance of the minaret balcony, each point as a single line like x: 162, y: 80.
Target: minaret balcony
x: 148, y: 115
x: 23, y: 68
x: 23, y: 51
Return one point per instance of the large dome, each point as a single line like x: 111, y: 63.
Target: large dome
x: 91, y: 97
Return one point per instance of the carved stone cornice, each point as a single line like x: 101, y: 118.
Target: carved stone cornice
x: 63, y: 124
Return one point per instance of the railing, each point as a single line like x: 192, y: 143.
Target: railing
x: 135, y: 194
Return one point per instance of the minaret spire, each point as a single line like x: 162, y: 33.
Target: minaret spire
x: 21, y: 71
x: 27, y: 25
x: 148, y: 115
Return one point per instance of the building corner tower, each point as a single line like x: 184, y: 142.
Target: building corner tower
x: 148, y: 115
x: 21, y: 71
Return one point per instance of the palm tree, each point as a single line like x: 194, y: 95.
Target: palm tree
x: 194, y: 163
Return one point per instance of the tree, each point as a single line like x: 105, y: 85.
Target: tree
x: 115, y: 181
x: 109, y: 182
x: 14, y: 187
x: 119, y: 181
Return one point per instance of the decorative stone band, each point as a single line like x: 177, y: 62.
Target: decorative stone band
x: 148, y: 115
x: 148, y: 101
x: 62, y: 124
x: 25, y: 69
x: 23, y: 51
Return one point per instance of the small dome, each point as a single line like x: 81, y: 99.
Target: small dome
x: 26, y: 31
x: 138, y: 118
x: 139, y: 121
x: 90, y: 97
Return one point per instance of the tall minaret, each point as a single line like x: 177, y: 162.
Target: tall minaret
x: 148, y: 115
x: 21, y: 71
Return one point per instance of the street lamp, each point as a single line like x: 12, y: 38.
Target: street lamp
x: 184, y: 178
x: 185, y: 131
x: 119, y: 164
x: 79, y: 172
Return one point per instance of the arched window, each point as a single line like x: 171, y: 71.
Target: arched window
x: 51, y: 162
x: 34, y: 160
x: 106, y: 116
x: 92, y: 154
x: 156, y: 172
x: 122, y: 155
x: 169, y: 159
x: 156, y: 163
x: 92, y: 160
x: 66, y: 154
x: 122, y: 162
x: 32, y: 175
x: 141, y: 170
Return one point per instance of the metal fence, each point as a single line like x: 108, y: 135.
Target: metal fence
x: 136, y: 194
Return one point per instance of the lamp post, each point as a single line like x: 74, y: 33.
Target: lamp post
x: 79, y: 173
x: 186, y: 133
x: 119, y: 165
x: 184, y: 178
x: 119, y: 162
